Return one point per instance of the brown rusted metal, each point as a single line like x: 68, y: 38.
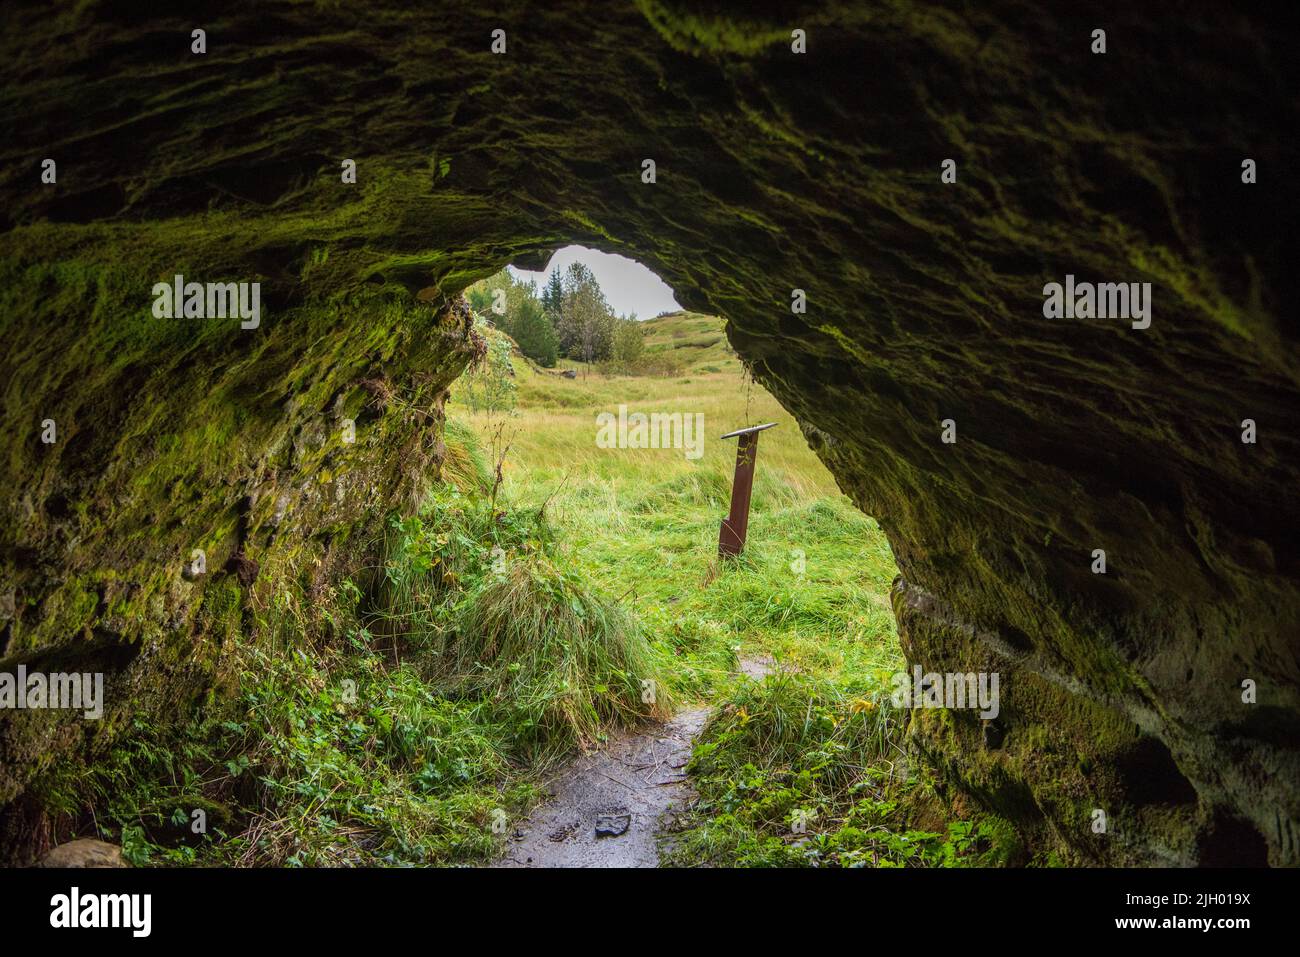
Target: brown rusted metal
x: 731, y: 538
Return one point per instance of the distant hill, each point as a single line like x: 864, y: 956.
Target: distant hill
x: 694, y: 338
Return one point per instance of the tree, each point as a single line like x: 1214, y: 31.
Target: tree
x: 522, y: 318
x: 553, y: 294
x: 629, y: 340
x: 482, y: 294
x: 531, y: 327
x: 586, y: 326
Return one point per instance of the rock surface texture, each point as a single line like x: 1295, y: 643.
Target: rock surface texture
x: 1121, y: 692
x: 85, y: 852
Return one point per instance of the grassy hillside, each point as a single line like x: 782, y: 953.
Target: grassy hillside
x: 643, y: 522
x: 553, y: 428
x: 816, y: 740
x: 693, y: 338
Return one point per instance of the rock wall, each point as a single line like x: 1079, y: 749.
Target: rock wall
x: 775, y: 171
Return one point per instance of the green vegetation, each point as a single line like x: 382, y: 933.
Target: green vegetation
x: 818, y: 736
x: 571, y: 318
x: 521, y: 612
x: 518, y: 312
x: 392, y: 727
x: 489, y: 383
x: 483, y: 594
x: 803, y: 771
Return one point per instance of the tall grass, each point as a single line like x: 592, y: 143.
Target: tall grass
x: 324, y: 757
x: 482, y: 599
x: 810, y: 593
x: 465, y: 465
x: 565, y: 663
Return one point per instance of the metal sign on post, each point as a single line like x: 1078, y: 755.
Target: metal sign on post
x: 731, y: 540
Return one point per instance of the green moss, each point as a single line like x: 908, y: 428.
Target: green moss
x: 198, y: 436
x: 692, y: 32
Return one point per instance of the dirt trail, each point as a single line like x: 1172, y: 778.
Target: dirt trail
x: 608, y: 807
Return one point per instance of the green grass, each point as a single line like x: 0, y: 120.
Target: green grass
x: 402, y: 724
x: 325, y: 756
x: 641, y: 525
x: 484, y: 596
x: 799, y: 771
x: 810, y: 594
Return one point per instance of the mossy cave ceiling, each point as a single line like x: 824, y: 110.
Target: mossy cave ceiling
x: 775, y: 171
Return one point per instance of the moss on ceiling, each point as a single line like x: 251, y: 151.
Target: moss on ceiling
x: 775, y: 171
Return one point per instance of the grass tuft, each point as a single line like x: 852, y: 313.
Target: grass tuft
x: 565, y: 663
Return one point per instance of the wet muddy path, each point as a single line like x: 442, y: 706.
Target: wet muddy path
x: 609, y: 806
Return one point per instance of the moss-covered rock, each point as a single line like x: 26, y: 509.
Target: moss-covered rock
x: 775, y: 171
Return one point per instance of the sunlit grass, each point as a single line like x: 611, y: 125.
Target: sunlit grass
x: 809, y: 597
x: 642, y: 524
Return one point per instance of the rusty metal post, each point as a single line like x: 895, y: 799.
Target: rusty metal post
x: 731, y: 539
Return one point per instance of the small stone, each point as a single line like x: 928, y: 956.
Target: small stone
x: 612, y: 825
x: 84, y: 852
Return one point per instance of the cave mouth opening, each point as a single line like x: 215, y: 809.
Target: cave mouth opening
x: 618, y: 434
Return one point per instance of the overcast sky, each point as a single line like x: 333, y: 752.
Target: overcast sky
x: 628, y: 286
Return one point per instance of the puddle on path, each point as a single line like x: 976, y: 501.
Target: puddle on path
x: 609, y: 806
x: 625, y: 787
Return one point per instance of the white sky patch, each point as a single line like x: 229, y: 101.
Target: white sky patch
x: 628, y: 286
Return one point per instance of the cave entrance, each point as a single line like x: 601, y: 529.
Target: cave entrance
x: 599, y: 400
x: 562, y: 584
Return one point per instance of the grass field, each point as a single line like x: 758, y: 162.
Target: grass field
x: 642, y: 524
x: 802, y: 767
